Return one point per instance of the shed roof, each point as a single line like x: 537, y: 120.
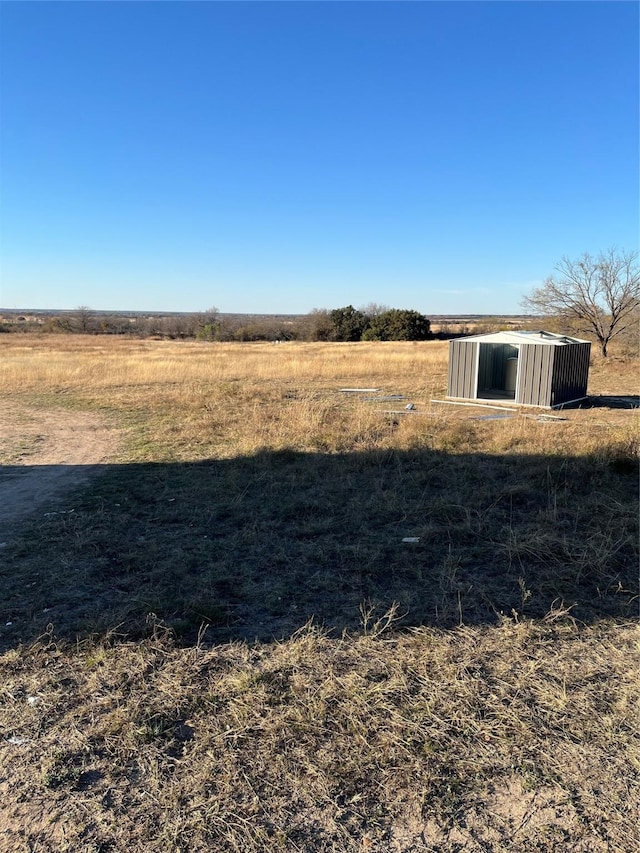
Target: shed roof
x: 524, y: 337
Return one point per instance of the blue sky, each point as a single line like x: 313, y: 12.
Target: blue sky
x: 270, y: 157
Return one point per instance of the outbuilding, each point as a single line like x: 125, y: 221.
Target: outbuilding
x: 520, y: 368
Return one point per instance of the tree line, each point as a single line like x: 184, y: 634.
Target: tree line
x: 372, y: 323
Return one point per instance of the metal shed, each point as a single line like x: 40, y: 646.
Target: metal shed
x: 523, y: 368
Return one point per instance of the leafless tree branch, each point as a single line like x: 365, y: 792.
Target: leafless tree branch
x: 601, y: 293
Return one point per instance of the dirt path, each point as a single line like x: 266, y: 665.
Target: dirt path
x: 45, y: 453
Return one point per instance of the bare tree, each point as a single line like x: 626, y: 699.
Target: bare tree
x: 84, y: 318
x: 601, y: 296
x: 374, y: 309
x: 80, y: 321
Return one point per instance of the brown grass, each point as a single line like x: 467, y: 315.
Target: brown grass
x: 520, y: 737
x: 476, y: 690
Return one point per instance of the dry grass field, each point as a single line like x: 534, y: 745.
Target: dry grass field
x: 213, y: 636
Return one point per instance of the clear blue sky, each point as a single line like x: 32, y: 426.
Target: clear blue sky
x: 276, y: 157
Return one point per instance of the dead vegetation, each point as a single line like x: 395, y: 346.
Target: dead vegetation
x: 520, y: 735
x: 227, y: 646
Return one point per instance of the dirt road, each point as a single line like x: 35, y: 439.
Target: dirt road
x: 45, y: 453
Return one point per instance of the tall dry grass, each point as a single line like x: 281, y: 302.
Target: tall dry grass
x: 51, y: 361
x: 199, y: 400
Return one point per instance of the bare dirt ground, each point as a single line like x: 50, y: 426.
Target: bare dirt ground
x: 43, y: 454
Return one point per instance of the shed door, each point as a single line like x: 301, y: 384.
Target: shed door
x: 463, y: 367
x: 535, y: 374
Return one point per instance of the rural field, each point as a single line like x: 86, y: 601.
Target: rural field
x: 213, y: 636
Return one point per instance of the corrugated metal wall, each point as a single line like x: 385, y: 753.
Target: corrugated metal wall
x: 463, y: 360
x: 492, y: 367
x: 535, y: 372
x: 570, y: 373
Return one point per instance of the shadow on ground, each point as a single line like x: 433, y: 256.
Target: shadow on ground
x: 607, y: 401
x: 254, y: 547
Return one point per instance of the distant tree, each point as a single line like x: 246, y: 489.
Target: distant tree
x: 374, y: 309
x: 152, y: 327
x: 599, y: 296
x: 397, y: 324
x: 80, y: 321
x: 316, y: 326
x: 208, y: 325
x: 113, y: 324
x: 85, y: 319
x: 348, y: 323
